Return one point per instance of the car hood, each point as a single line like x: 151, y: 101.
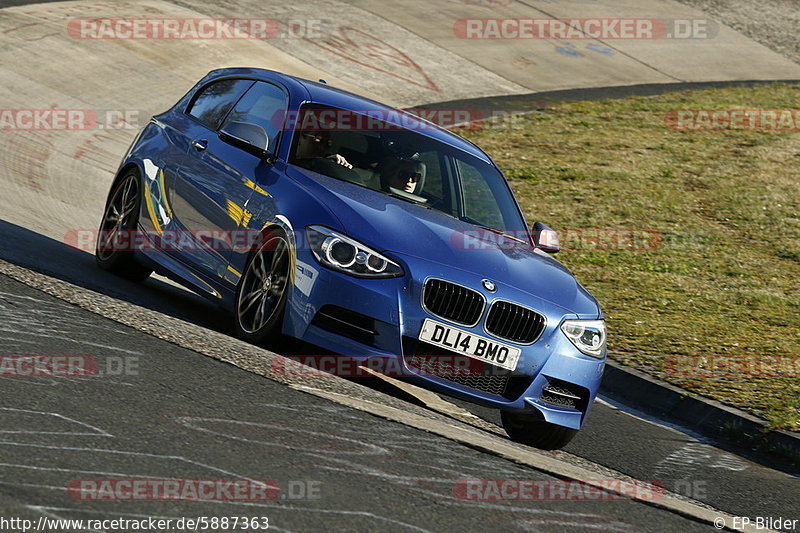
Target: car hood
x: 391, y: 225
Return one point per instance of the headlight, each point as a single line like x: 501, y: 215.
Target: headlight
x: 589, y: 336
x: 344, y: 254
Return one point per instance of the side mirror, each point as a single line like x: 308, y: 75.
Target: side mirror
x: 251, y: 138
x: 545, y: 238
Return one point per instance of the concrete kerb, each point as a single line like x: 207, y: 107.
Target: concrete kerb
x: 703, y: 415
x: 532, y: 102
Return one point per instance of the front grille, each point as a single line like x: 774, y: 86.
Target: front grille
x: 347, y: 323
x: 426, y: 358
x: 453, y: 302
x: 514, y: 322
x: 565, y: 394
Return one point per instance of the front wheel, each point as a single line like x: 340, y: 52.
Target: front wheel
x: 114, y: 251
x: 262, y: 291
x: 533, y: 431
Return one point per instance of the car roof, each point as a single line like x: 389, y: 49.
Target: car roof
x: 321, y: 93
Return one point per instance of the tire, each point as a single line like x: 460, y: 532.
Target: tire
x: 121, y: 214
x: 533, y: 431
x: 262, y: 292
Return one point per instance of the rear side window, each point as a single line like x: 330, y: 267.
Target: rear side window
x: 215, y: 100
x: 264, y: 105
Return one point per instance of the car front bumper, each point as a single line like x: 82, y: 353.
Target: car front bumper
x: 382, y: 318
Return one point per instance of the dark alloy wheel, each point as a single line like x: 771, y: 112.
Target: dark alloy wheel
x: 261, y: 294
x: 113, y: 251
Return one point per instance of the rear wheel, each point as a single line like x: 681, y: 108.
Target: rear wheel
x: 262, y: 291
x: 113, y: 251
x: 533, y: 431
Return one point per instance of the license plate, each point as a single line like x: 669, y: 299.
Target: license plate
x: 469, y: 344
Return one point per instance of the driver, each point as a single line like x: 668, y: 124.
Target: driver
x: 406, y: 175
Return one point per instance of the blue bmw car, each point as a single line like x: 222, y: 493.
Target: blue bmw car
x: 315, y: 213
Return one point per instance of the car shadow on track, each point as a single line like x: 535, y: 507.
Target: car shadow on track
x: 39, y: 253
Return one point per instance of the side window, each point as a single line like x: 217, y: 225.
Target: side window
x: 215, y: 100
x: 265, y: 105
x: 479, y: 200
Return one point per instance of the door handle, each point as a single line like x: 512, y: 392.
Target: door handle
x: 200, y: 144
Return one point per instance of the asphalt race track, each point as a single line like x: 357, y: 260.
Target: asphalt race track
x: 349, y: 470
x: 175, y: 397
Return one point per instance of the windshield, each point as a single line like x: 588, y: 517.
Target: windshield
x: 398, y: 162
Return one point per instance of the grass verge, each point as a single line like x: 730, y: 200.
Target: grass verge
x: 722, y: 279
